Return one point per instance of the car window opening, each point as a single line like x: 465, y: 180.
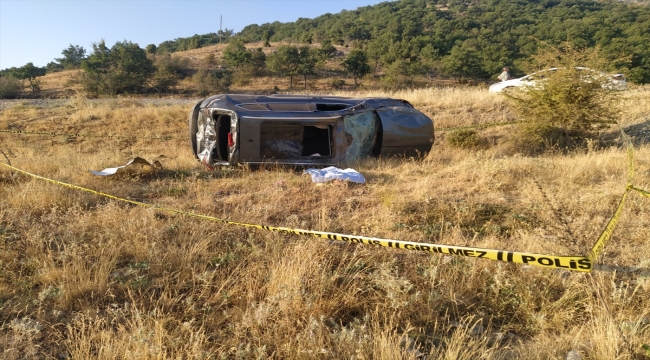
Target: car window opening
x: 331, y: 107
x: 287, y: 140
x: 223, y: 129
x: 316, y: 141
x: 291, y: 107
x: 294, y: 107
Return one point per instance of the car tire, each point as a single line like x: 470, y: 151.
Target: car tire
x: 194, y: 127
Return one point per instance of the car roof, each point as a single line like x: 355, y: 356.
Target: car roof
x: 272, y: 105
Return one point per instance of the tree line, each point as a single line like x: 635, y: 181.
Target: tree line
x: 396, y: 41
x: 127, y: 68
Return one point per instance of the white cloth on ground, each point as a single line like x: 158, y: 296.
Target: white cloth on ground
x: 334, y: 173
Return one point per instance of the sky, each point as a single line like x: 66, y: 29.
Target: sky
x: 38, y: 30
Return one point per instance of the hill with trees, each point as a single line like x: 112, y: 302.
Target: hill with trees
x: 404, y: 43
x: 464, y: 38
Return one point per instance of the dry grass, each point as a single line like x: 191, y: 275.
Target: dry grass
x: 86, y: 277
x: 60, y: 84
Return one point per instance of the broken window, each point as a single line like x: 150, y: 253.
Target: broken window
x: 289, y: 140
x: 317, y: 141
x: 361, y: 132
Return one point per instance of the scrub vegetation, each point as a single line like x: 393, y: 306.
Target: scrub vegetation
x: 83, y: 276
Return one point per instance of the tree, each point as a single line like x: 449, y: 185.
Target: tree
x: 226, y: 33
x: 97, y: 69
x: 306, y: 38
x: 266, y: 36
x: 72, y: 56
x: 53, y: 67
x: 130, y: 66
x: 122, y: 68
x: 326, y: 50
x: 235, y: 54
x: 166, y: 75
x: 463, y: 61
x: 376, y: 49
x: 29, y: 72
x: 151, y: 49
x: 257, y: 62
x: 285, y: 62
x: 357, y: 64
x: 308, y: 61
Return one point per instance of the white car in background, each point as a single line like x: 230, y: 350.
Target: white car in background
x: 616, y: 81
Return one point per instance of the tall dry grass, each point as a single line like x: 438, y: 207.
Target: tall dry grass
x: 86, y: 277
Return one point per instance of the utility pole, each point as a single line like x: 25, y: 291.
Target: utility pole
x: 220, y: 30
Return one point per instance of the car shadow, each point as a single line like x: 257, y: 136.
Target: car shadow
x: 639, y: 133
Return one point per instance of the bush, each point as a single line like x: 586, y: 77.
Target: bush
x: 208, y: 82
x: 241, y: 77
x: 464, y: 138
x: 338, y: 83
x: 168, y: 71
x: 10, y: 87
x: 568, y: 106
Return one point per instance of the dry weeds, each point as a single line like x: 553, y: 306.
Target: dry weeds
x: 86, y: 277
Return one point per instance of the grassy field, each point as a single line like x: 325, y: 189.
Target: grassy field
x: 83, y: 276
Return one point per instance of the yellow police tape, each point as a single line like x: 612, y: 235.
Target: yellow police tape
x: 52, y: 133
x: 611, y: 225
x: 609, y: 229
x: 573, y: 263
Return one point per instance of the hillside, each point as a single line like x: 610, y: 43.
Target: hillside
x: 477, y: 38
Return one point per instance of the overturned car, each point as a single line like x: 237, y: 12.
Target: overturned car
x: 305, y: 130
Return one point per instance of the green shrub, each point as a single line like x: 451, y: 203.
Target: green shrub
x: 464, y: 138
x: 565, y: 107
x: 168, y: 71
x: 211, y: 82
x: 10, y: 87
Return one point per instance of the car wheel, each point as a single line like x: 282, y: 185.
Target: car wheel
x: 194, y: 127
